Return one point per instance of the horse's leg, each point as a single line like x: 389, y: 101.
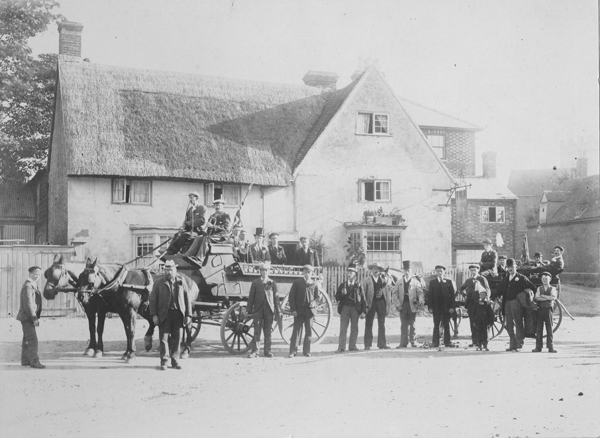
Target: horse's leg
x: 148, y: 336
x: 130, y: 332
x: 100, y: 346
x: 91, y: 317
x: 185, y: 345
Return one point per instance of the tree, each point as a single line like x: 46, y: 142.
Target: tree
x: 26, y: 88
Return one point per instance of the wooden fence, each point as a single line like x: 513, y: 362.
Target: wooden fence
x: 14, y: 263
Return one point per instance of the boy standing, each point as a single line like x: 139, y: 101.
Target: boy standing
x: 483, y: 317
x: 545, y: 297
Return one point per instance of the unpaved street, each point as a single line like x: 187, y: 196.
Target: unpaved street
x: 393, y: 393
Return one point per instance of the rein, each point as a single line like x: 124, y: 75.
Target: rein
x: 152, y: 250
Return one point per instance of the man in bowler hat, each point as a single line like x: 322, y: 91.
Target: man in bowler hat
x: 407, y: 296
x: 351, y: 306
x: 170, y: 309
x: 440, y: 300
x: 30, y: 310
x: 303, y: 303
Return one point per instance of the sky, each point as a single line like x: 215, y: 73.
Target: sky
x: 526, y: 72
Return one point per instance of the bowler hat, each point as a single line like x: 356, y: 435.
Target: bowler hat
x: 486, y: 241
x: 259, y: 232
x: 537, y: 254
x: 406, y: 264
x: 440, y: 267
x: 170, y: 264
x: 474, y: 266
x: 546, y: 273
x: 309, y: 268
x: 502, y: 257
x: 194, y: 194
x: 510, y: 262
x: 218, y: 201
x: 376, y: 265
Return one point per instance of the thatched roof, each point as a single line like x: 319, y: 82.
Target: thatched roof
x: 16, y: 203
x: 142, y: 123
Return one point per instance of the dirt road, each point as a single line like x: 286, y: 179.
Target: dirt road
x: 391, y: 393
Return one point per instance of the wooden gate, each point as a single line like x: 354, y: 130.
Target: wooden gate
x: 14, y: 263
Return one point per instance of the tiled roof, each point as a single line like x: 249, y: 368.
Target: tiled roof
x: 582, y: 201
x: 487, y: 188
x: 424, y: 116
x: 533, y: 182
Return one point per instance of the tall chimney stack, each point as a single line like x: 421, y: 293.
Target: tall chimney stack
x: 69, y: 40
x: 489, y: 164
x: 324, y: 80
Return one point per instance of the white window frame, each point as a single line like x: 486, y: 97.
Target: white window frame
x: 120, y: 196
x: 396, y: 241
x: 155, y: 238
x: 436, y: 147
x: 209, y: 193
x: 375, y: 182
x: 484, y: 215
x: 372, y: 123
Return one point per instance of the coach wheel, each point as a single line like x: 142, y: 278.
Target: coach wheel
x: 321, y: 323
x: 195, y: 325
x: 237, y: 329
x: 556, y: 317
x: 496, y: 328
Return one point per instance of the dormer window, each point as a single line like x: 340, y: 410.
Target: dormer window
x: 372, y: 123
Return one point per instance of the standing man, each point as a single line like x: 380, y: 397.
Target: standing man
x: 407, y: 295
x: 489, y: 259
x: 441, y: 302
x: 219, y: 222
x: 258, y: 251
x: 170, y: 309
x: 30, y: 310
x: 305, y: 255
x: 352, y: 303
x: 191, y: 228
x: 472, y: 290
x: 377, y: 297
x: 545, y: 298
x: 263, y: 305
x: 511, y: 286
x: 303, y: 303
x: 276, y: 252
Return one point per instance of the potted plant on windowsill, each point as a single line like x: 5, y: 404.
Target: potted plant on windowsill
x: 369, y: 216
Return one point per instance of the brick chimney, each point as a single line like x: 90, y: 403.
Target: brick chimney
x: 489, y: 164
x: 324, y: 80
x: 69, y: 40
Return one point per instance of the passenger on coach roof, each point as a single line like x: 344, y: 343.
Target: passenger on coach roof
x: 489, y: 259
x: 306, y: 255
x: 276, y: 251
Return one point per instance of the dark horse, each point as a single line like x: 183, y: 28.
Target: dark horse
x: 102, y: 289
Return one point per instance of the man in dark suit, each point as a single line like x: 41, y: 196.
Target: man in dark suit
x: 219, y: 222
x: 303, y: 302
x: 306, y: 255
x: 191, y: 228
x: 263, y: 305
x: 352, y: 305
x: 471, y: 289
x: 170, y: 309
x: 258, y: 252
x: 440, y: 300
x: 502, y: 265
x: 489, y: 259
x: 276, y: 252
x: 510, y: 287
x: 378, y: 299
x: 29, y: 315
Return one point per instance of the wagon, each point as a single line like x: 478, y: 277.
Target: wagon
x: 224, y: 286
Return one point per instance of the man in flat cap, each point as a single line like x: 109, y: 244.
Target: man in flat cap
x: 171, y: 310
x: 276, y: 252
x: 351, y: 306
x: 510, y: 287
x: 545, y: 297
x: 191, y: 228
x: 30, y: 310
x: 407, y: 296
x: 472, y: 288
x: 489, y: 260
x: 377, y: 295
x: 258, y: 251
x: 263, y: 305
x: 306, y: 255
x: 303, y: 303
x: 440, y: 300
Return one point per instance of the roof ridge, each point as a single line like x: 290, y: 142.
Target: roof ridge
x: 440, y: 112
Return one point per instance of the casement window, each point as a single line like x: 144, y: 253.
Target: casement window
x: 375, y: 190
x: 143, y: 243
x: 230, y: 193
x: 372, y: 123
x: 125, y: 191
x: 383, y: 241
x: 438, y: 143
x: 492, y: 214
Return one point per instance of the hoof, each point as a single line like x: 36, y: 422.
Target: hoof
x: 98, y: 353
x: 185, y: 354
x: 148, y: 343
x: 124, y: 357
x: 130, y: 359
x: 88, y: 352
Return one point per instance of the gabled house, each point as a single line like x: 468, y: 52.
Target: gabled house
x: 128, y: 145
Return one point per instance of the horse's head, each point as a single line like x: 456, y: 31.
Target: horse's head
x: 57, y: 276
x: 90, y: 278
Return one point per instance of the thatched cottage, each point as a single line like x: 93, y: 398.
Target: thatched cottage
x: 128, y: 145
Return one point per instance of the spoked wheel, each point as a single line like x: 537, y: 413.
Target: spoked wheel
x: 498, y: 325
x: 323, y: 315
x: 237, y: 329
x: 556, y: 317
x: 195, y: 325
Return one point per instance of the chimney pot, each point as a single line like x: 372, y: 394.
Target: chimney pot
x: 69, y: 40
x: 324, y: 80
x: 489, y: 164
